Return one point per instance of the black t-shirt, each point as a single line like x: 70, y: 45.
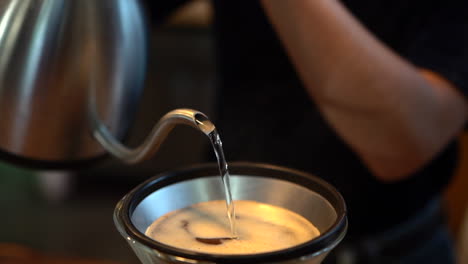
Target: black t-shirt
x: 265, y: 115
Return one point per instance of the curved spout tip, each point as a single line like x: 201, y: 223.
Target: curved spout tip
x: 203, y: 123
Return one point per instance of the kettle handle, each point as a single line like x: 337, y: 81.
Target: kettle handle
x: 155, y: 138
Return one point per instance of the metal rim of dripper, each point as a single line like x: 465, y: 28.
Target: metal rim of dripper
x: 322, y: 243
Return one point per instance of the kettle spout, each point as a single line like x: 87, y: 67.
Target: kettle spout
x: 158, y: 134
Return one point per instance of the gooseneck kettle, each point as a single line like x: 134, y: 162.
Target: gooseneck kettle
x: 71, y: 74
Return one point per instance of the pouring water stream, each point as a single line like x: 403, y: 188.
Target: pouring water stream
x: 158, y: 134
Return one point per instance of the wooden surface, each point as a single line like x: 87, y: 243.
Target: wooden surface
x: 463, y: 242
x: 17, y: 254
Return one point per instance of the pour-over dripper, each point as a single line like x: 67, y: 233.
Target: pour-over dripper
x: 302, y: 193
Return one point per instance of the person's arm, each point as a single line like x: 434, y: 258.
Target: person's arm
x: 395, y: 116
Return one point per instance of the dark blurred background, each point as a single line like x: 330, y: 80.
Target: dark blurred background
x: 69, y: 214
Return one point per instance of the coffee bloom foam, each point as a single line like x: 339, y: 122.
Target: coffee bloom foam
x: 204, y: 227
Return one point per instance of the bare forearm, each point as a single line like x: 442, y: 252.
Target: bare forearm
x: 394, y: 117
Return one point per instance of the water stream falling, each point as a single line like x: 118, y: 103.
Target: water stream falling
x: 209, y: 129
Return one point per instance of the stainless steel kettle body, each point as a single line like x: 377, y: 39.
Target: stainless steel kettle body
x: 58, y: 59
